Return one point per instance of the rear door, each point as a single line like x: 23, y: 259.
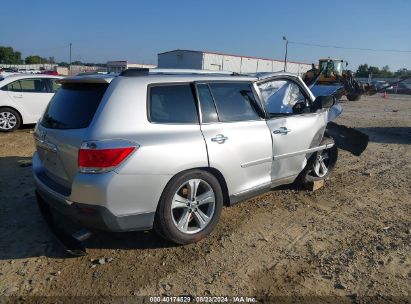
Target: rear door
x: 237, y: 137
x: 33, y: 97
x: 294, y: 127
x: 61, y: 131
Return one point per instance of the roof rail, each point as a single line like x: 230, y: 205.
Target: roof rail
x: 145, y: 72
x: 135, y: 72
x: 188, y: 71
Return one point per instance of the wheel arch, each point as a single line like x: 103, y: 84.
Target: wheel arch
x: 220, y: 177
x: 215, y: 172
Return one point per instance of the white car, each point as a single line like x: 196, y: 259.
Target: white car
x: 7, y: 72
x: 23, y: 99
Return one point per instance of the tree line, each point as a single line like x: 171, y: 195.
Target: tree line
x: 364, y: 70
x: 9, y: 56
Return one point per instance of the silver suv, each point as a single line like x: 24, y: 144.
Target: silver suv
x: 166, y: 149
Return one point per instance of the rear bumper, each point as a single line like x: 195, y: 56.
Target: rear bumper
x: 95, y: 217
x: 97, y: 202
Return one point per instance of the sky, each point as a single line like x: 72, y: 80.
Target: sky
x: 103, y: 30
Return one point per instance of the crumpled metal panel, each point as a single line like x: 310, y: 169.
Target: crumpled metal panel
x: 348, y: 139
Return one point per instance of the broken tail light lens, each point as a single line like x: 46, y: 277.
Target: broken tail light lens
x: 99, y: 157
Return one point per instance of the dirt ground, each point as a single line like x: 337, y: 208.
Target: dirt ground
x: 350, y: 240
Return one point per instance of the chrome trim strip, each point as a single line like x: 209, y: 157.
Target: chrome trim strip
x: 46, y: 145
x: 319, y: 148
x: 256, y: 162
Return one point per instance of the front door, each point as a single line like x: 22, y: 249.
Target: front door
x: 294, y: 127
x: 237, y: 137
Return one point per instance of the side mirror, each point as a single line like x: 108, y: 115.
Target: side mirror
x: 323, y: 102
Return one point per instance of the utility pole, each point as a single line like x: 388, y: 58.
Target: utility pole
x: 286, y: 51
x: 70, y: 59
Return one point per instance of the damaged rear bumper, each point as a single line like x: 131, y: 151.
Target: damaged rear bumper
x: 72, y: 243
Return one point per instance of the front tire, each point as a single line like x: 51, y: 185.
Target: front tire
x: 189, y: 208
x: 9, y: 120
x: 320, y: 165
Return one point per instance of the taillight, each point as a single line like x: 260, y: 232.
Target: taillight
x: 103, y: 156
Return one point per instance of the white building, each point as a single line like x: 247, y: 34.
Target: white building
x: 118, y: 66
x: 31, y: 67
x: 187, y: 59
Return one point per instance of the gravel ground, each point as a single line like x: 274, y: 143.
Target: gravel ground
x: 348, y: 241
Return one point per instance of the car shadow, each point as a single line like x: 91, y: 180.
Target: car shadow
x: 388, y: 135
x: 127, y: 240
x: 25, y: 234
x: 27, y: 127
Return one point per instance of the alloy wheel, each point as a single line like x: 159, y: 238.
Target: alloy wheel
x: 7, y: 120
x: 193, y: 206
x: 321, y: 164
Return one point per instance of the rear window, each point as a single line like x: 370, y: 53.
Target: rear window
x: 73, y: 106
x: 172, y: 104
x: 33, y: 85
x: 13, y: 86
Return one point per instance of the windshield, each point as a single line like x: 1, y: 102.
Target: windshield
x: 332, y: 67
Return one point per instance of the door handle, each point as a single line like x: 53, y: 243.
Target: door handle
x: 18, y: 96
x: 219, y: 138
x: 282, y: 130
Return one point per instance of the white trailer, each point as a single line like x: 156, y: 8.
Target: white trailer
x: 188, y: 59
x: 121, y: 65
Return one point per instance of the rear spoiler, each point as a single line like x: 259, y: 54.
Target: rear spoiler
x: 95, y: 78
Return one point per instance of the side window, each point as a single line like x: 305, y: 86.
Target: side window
x: 172, y: 104
x: 54, y: 85
x: 283, y: 97
x: 234, y: 101
x: 208, y: 110
x: 14, y: 87
x: 33, y: 85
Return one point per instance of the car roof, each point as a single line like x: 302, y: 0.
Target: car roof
x: 14, y: 77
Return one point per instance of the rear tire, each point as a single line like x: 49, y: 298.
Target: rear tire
x: 9, y: 120
x: 189, y: 208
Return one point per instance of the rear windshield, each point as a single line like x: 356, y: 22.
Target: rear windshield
x: 73, y: 106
